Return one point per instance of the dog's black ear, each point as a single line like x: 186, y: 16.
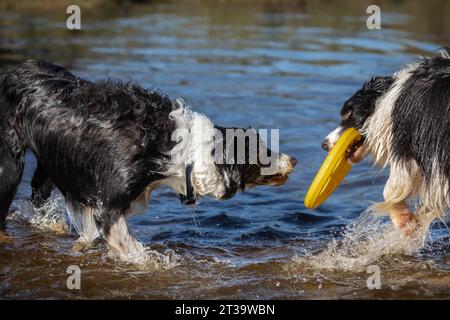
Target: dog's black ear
x: 378, y: 84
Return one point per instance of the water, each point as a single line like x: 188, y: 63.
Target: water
x: 286, y: 65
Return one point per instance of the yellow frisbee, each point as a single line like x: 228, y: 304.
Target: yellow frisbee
x: 333, y: 170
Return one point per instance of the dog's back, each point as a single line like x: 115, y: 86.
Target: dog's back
x: 83, y: 133
x: 421, y: 119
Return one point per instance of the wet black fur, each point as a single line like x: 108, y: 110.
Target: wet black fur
x: 241, y: 174
x: 96, y: 141
x: 420, y: 118
x: 361, y: 105
x: 101, y: 142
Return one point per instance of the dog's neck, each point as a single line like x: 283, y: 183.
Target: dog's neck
x: 193, y: 153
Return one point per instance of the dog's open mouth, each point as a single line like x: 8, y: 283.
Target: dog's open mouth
x: 356, y: 152
x: 278, y: 180
x: 275, y: 180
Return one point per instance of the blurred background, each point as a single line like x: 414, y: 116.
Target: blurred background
x: 285, y: 64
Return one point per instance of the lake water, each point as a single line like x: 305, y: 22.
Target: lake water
x: 284, y: 65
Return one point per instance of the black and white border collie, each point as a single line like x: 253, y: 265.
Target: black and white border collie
x: 405, y: 122
x: 107, y: 145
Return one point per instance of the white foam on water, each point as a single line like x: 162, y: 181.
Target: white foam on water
x: 367, y: 240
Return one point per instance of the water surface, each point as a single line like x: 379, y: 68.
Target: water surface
x: 287, y: 65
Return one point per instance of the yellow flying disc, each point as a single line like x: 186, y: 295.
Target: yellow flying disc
x: 333, y: 170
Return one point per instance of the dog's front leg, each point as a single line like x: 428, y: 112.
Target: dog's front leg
x: 403, y: 218
x: 398, y: 189
x: 123, y: 245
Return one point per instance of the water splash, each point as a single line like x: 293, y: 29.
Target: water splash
x: 149, y: 260
x: 367, y: 240
x: 51, y: 216
x: 195, y: 220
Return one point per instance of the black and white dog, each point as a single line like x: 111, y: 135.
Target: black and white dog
x: 107, y: 145
x: 405, y: 122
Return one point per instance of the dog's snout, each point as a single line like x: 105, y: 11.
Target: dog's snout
x: 332, y: 139
x: 293, y: 162
x: 286, y: 164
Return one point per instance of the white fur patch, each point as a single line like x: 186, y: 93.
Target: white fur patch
x: 196, y: 135
x: 122, y: 245
x: 333, y: 137
x: 378, y: 128
x: 284, y: 164
x: 434, y: 196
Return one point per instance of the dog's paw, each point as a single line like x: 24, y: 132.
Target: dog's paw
x: 135, y: 255
x: 407, y: 223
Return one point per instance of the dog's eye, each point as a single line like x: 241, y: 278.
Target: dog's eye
x: 346, y: 115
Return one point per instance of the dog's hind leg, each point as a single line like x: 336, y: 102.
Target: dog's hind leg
x: 11, y: 168
x: 41, y: 186
x: 83, y: 219
x: 434, y: 202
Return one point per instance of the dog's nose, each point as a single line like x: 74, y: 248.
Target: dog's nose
x: 293, y: 162
x: 325, y: 145
x: 286, y: 164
